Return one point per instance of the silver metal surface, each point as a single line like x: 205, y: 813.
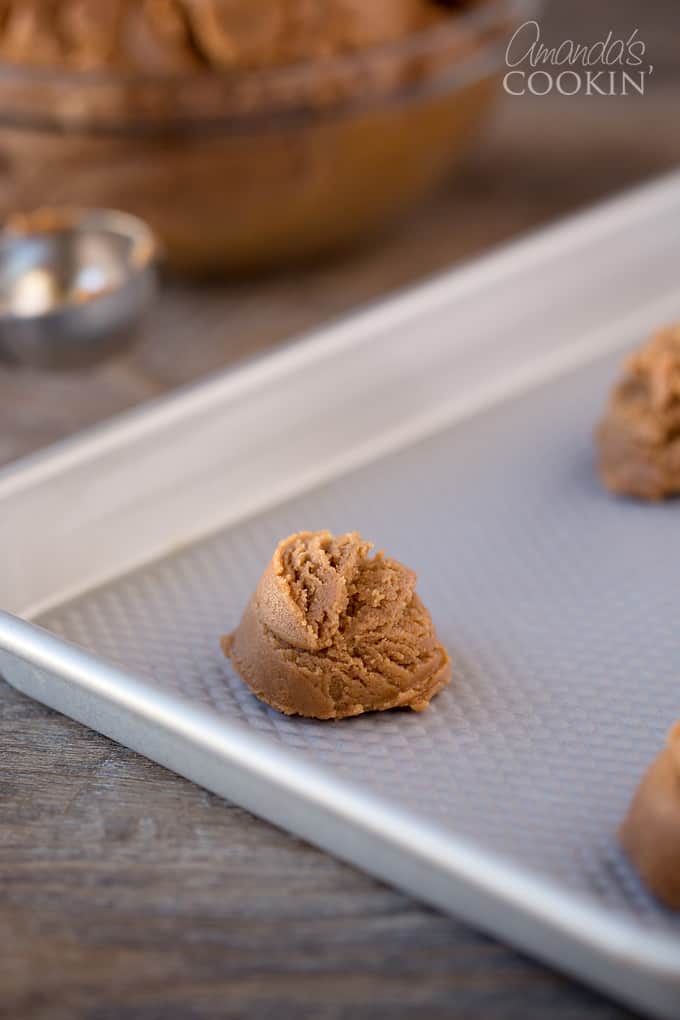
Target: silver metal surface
x: 74, y: 285
x: 453, y: 427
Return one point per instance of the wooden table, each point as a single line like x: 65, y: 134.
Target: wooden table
x: 126, y: 893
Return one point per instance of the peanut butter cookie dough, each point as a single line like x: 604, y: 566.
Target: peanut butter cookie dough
x: 639, y: 438
x: 248, y: 136
x: 332, y: 632
x: 178, y: 35
x: 650, y: 834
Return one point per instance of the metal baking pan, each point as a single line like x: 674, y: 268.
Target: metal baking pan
x: 451, y: 425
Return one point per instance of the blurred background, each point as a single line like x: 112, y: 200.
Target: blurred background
x: 300, y: 174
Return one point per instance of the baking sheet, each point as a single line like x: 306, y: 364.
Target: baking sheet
x: 500, y: 803
x: 558, y: 605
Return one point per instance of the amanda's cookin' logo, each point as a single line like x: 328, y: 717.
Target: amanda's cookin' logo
x: 608, y: 67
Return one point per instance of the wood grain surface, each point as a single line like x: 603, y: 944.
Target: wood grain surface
x: 126, y: 892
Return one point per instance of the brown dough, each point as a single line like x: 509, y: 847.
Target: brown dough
x: 156, y: 36
x: 298, y: 30
x: 331, y: 632
x: 177, y: 35
x: 639, y: 438
x: 28, y: 32
x: 88, y: 31
x: 650, y: 834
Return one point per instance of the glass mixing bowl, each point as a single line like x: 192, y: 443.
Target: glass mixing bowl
x: 242, y: 170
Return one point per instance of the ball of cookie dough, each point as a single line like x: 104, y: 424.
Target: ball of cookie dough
x: 639, y: 437
x: 332, y: 631
x: 650, y: 834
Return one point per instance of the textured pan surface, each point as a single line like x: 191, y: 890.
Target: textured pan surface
x: 557, y: 602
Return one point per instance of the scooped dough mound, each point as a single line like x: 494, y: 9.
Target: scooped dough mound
x: 333, y: 632
x: 639, y: 438
x: 650, y: 834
